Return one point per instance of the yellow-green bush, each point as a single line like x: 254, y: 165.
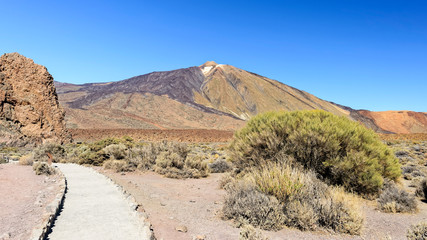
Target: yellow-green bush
x: 341, y: 151
x: 281, y: 181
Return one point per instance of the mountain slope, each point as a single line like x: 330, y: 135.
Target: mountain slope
x: 211, y: 96
x: 245, y: 94
x: 399, y: 121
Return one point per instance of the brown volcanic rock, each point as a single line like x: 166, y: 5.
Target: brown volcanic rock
x: 399, y: 121
x: 29, y: 108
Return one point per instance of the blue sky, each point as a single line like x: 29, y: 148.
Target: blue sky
x: 363, y: 54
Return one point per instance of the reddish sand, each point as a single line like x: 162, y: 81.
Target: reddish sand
x: 24, y: 196
x: 181, y: 135
x: 197, y: 203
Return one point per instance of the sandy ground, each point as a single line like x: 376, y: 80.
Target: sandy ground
x: 94, y: 208
x: 23, y: 198
x: 196, y: 204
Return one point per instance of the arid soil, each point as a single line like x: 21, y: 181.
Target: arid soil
x: 196, y: 204
x: 404, y: 137
x: 23, y: 198
x: 180, y: 135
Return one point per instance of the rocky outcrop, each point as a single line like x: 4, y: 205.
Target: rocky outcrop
x: 29, y: 108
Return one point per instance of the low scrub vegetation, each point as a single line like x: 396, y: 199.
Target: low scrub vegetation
x: 247, y: 205
x: 341, y: 151
x: 43, y: 168
x: 417, y: 231
x: 421, y: 190
x: 220, y: 166
x: 301, y: 167
x: 250, y: 233
x: 41, y: 153
x: 292, y: 197
x: 172, y: 159
x: 395, y: 200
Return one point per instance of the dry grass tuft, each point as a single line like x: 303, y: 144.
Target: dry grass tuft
x: 417, y: 232
x: 26, y: 160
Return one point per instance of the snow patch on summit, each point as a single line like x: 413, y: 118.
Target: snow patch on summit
x: 205, y: 70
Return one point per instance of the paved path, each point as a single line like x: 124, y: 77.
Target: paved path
x: 94, y: 209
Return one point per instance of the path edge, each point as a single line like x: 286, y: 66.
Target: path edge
x: 53, y: 209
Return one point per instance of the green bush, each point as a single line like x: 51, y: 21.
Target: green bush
x: 341, y: 151
x: 417, y: 232
x: 281, y: 181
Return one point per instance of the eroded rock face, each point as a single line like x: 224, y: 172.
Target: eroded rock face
x: 29, y: 108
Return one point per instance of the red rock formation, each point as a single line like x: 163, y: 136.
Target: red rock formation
x: 29, y: 108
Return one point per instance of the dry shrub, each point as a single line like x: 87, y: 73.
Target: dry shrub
x: 247, y: 205
x: 421, y: 190
x: 144, y: 157
x: 57, y: 151
x: 411, y: 171
x: 307, y: 202
x: 117, y: 165
x: 225, y: 180
x: 250, y: 233
x: 340, y: 211
x: 116, y: 151
x: 220, y: 166
x: 417, y: 231
x: 178, y: 165
x: 26, y: 160
x: 43, y: 168
x: 394, y: 200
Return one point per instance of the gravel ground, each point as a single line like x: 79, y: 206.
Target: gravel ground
x: 94, y: 209
x: 23, y: 198
x: 196, y: 204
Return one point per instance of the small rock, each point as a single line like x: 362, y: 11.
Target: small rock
x: 122, y: 173
x: 162, y: 204
x: 217, y: 202
x: 5, y: 236
x: 192, y: 201
x: 199, y: 237
x: 181, y: 228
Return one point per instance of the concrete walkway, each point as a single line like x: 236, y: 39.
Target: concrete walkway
x: 94, y: 208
